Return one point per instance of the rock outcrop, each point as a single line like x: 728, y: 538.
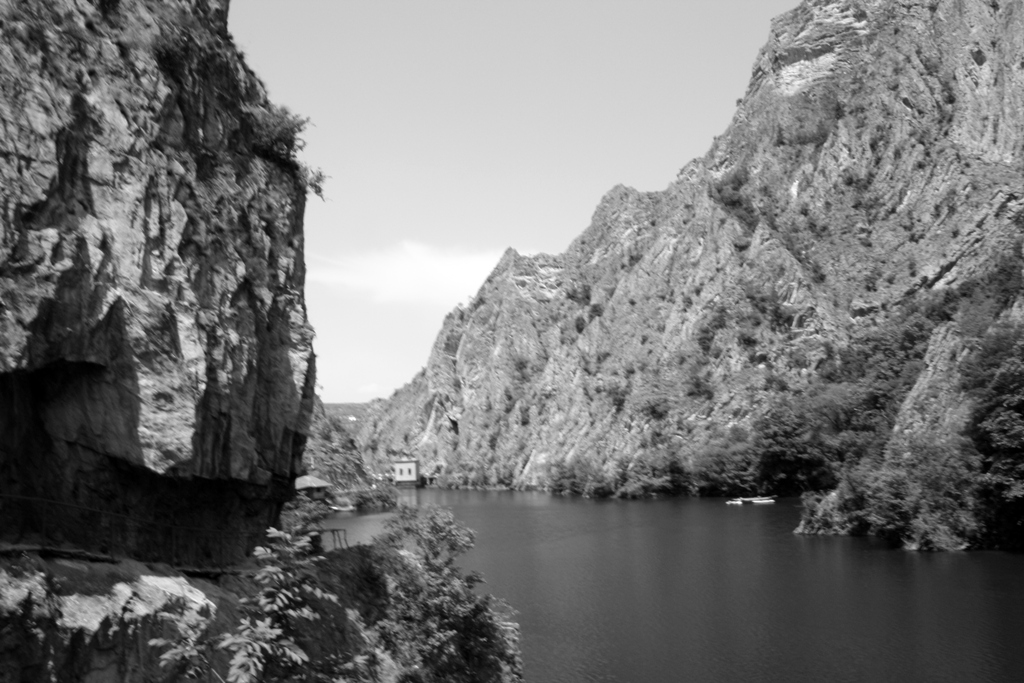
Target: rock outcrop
x: 872, y: 172
x: 381, y: 611
x: 155, y: 356
x: 70, y: 620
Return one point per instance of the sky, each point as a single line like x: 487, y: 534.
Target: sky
x: 451, y: 130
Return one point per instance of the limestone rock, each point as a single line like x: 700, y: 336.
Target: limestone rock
x: 73, y: 620
x: 876, y: 158
x: 155, y: 357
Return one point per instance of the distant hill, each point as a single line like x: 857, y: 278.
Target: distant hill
x: 331, y: 451
x: 353, y: 413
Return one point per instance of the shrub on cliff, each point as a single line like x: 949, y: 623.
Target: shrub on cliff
x: 275, y: 131
x: 730, y: 192
x: 188, y: 52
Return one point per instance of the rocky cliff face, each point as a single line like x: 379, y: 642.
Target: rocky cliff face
x: 68, y: 620
x: 155, y: 357
x: 866, y: 198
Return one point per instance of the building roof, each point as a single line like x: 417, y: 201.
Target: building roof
x: 310, y: 482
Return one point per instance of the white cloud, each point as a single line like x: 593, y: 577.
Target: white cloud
x: 409, y: 273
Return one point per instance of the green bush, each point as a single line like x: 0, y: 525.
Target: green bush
x: 400, y: 609
x: 840, y: 511
x: 439, y: 628
x: 698, y: 386
x: 766, y: 303
x: 302, y: 514
x: 263, y: 644
x: 618, y: 392
x: 380, y: 498
x: 923, y: 498
x: 579, y: 293
x: 331, y: 452
x: 653, y: 472
x: 656, y: 407
x: 810, y: 441
x: 580, y: 477
x: 921, y: 493
x: 994, y: 377
x: 730, y: 192
x: 712, y: 325
x: 275, y: 131
x: 195, y: 57
x: 789, y: 459
x: 725, y: 470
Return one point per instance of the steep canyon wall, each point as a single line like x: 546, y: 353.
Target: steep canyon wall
x: 155, y: 356
x: 866, y: 199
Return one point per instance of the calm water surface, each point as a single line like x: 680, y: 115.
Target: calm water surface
x: 696, y: 590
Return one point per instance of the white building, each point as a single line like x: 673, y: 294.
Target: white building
x: 406, y: 472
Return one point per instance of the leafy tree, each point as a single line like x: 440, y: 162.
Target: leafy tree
x: 924, y: 493
x: 923, y: 496
x: 287, y: 581
x: 275, y: 131
x: 806, y: 441
x: 331, y: 451
x: 380, y: 498
x: 191, y: 653
x: 883, y: 363
x: 654, y: 472
x: 263, y: 644
x: 791, y: 457
x: 302, y: 514
x: 994, y: 376
x: 446, y: 631
x: 725, y: 469
x: 581, y: 476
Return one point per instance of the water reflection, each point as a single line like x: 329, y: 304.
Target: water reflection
x: 697, y: 590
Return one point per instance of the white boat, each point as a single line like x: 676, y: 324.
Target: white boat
x: 757, y: 500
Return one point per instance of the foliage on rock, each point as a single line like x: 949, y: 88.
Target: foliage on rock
x: 331, y: 451
x: 994, y: 377
x: 302, y: 515
x: 398, y: 610
x: 262, y: 645
x: 380, y: 497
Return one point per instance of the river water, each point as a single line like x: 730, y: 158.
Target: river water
x: 696, y: 590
